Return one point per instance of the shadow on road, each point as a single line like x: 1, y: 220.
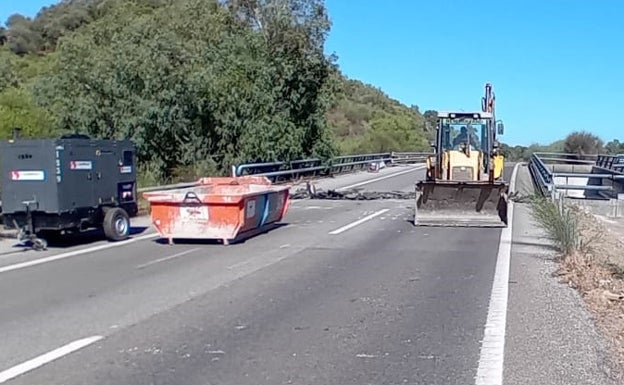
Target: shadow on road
x: 61, y: 241
x: 240, y: 240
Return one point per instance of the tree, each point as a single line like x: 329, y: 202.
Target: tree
x: 614, y: 147
x: 17, y: 109
x: 431, y: 120
x: 198, y: 85
x: 582, y: 143
x: 21, y: 37
x: 193, y: 81
x: 3, y: 36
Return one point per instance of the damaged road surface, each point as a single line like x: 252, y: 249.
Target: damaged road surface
x: 454, y: 208
x: 356, y: 194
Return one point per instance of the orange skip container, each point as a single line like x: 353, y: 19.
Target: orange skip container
x: 228, y: 208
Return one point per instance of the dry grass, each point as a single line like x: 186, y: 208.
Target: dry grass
x: 560, y: 226
x: 591, y: 268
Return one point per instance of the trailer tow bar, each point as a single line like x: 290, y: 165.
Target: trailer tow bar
x: 28, y: 232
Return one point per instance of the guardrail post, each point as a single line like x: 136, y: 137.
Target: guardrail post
x: 329, y: 168
x: 561, y: 198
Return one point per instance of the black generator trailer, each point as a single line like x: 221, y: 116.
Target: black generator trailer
x: 68, y: 185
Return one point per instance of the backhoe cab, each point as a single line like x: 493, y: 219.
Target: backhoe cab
x: 464, y: 178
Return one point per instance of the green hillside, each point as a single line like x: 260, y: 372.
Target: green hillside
x: 364, y: 119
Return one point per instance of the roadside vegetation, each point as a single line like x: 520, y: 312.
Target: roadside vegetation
x: 199, y: 85
x: 577, y: 142
x: 590, y: 257
x: 590, y: 261
x: 559, y: 223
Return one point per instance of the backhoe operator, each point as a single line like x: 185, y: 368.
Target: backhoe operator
x: 463, y: 137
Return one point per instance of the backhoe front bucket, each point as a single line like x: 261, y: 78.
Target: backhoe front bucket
x: 461, y: 204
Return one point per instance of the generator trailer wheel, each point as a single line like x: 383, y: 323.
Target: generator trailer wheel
x: 116, y: 224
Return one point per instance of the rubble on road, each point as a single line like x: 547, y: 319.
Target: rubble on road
x: 310, y: 192
x: 352, y: 194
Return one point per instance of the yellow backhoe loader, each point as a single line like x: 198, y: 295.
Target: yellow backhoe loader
x: 464, y: 184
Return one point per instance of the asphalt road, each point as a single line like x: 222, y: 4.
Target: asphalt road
x: 346, y: 293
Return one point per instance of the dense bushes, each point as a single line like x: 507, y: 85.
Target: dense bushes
x: 197, y: 84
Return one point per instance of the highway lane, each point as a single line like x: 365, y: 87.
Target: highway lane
x: 414, y: 299
x: 49, y: 303
x: 11, y: 253
x: 45, y: 305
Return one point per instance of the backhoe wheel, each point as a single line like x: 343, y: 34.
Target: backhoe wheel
x: 116, y: 224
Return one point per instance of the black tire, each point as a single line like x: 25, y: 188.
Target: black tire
x: 116, y: 224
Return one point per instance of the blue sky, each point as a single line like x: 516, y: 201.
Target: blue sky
x: 554, y: 64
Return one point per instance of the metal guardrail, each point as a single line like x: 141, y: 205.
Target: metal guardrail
x: 311, y: 168
x: 278, y: 171
x: 541, y: 175
x: 545, y: 178
x: 409, y: 157
x: 611, y: 162
x: 566, y: 158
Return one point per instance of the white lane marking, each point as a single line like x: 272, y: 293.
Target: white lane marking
x: 358, y: 222
x: 380, y: 178
x: 239, y: 264
x: 490, y: 370
x: 46, y: 358
x: 165, y: 258
x: 23, y: 265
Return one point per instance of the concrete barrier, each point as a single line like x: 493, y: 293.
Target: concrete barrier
x: 610, y: 208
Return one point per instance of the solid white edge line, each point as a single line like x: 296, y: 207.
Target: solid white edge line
x: 490, y: 370
x: 163, y: 259
x: 380, y: 178
x: 56, y: 257
x: 358, y: 222
x: 46, y: 358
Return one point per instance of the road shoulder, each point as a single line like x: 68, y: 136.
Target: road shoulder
x: 551, y: 336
